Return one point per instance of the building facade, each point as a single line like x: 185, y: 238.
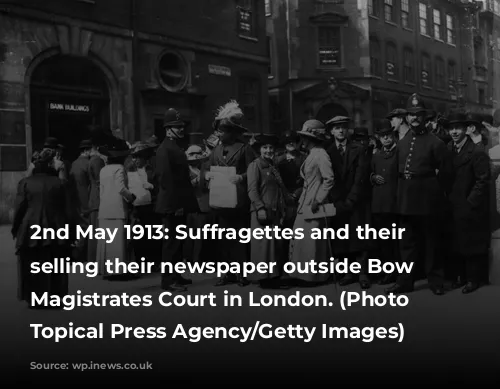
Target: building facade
x: 65, y: 65
x: 364, y: 58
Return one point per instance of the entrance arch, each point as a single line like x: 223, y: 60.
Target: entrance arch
x: 67, y: 95
x: 328, y: 111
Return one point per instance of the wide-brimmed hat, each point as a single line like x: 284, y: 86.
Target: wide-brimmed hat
x: 383, y: 127
x: 266, y: 139
x: 85, y: 144
x: 196, y: 153
x: 338, y: 120
x: 51, y: 143
x: 230, y: 117
x: 398, y: 112
x: 415, y: 104
x: 172, y: 118
x: 289, y: 137
x: 475, y: 119
x: 456, y: 118
x: 117, y: 148
x: 141, y: 148
x: 314, y: 129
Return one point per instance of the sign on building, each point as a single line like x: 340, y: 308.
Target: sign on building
x: 69, y: 107
x: 219, y: 70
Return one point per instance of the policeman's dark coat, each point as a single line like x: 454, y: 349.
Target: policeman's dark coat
x: 80, y: 184
x: 351, y: 174
x: 384, y: 197
x: 469, y: 199
x: 172, y: 176
x: 428, y: 160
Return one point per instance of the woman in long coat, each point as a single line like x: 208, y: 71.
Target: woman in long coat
x: 318, y: 180
x: 115, y: 201
x: 268, y: 196
x: 42, y: 199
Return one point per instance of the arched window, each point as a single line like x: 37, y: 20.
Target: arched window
x: 375, y: 59
x: 391, y: 66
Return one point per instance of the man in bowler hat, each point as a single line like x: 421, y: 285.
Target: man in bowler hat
x: 176, y: 196
x: 424, y: 173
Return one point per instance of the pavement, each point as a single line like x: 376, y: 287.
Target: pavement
x: 448, y: 335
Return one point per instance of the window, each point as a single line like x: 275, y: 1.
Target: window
x: 422, y: 15
x: 389, y: 11
x: 246, y: 18
x: 440, y: 76
x: 409, y: 70
x: 249, y: 97
x: 452, y: 71
x: 450, y: 30
x: 268, y: 7
x: 481, y: 96
x: 173, y: 71
x: 375, y: 57
x: 391, y: 66
x: 437, y: 24
x: 405, y: 14
x: 373, y: 7
x: 426, y: 76
x: 329, y: 47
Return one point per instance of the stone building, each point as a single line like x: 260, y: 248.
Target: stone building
x: 364, y: 58
x: 65, y: 65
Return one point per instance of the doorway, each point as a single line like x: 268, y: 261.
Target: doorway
x: 68, y: 95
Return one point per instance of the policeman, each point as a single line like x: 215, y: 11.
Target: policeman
x: 424, y: 174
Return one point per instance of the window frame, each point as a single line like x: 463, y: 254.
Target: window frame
x: 319, y: 47
x: 406, y: 12
x: 429, y: 84
x: 378, y: 71
x: 391, y: 46
x: 374, y: 8
x: 450, y: 31
x: 440, y: 81
x: 411, y: 68
x: 426, y: 19
x: 255, y: 109
x: 438, y: 25
x: 389, y: 7
x: 249, y: 7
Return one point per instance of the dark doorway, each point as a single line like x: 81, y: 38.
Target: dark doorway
x: 68, y: 94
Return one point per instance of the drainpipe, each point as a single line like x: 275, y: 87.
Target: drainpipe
x: 135, y: 70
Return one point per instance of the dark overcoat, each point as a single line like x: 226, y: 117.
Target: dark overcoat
x: 96, y: 163
x: 172, y: 176
x: 80, y: 185
x: 384, y: 197
x: 350, y: 194
x: 469, y: 199
x: 42, y: 199
x: 427, y: 160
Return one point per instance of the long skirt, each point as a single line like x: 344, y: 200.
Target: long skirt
x: 264, y: 251
x: 116, y: 250
x: 53, y: 284
x: 92, y: 243
x: 304, y: 250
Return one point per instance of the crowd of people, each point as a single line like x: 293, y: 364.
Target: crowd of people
x: 420, y: 171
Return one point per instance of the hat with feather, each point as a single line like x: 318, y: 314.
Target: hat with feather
x: 229, y: 117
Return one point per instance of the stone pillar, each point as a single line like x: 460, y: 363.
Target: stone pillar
x: 494, y: 268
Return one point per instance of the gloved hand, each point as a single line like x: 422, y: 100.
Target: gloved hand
x: 235, y: 179
x: 314, y: 206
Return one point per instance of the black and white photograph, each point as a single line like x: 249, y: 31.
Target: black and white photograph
x: 250, y: 193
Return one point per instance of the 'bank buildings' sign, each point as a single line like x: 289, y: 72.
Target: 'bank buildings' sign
x: 69, y: 108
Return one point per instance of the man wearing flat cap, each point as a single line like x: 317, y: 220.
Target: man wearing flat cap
x: 469, y: 199
x: 176, y: 196
x: 231, y: 152
x: 349, y: 195
x: 397, y: 117
x: 424, y: 179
